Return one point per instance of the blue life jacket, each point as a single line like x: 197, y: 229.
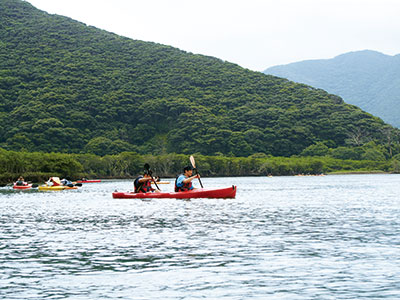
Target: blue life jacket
x: 66, y: 182
x: 184, y: 187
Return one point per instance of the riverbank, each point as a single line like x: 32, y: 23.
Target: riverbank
x: 38, y: 167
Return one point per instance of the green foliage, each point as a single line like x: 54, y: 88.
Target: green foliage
x: 346, y: 153
x: 369, y: 151
x: 38, y: 166
x: 66, y: 87
x: 318, y: 149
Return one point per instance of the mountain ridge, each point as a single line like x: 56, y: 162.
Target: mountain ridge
x: 368, y: 79
x: 68, y: 87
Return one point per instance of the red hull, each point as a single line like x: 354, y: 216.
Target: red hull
x: 22, y: 187
x: 196, y: 193
x: 88, y: 181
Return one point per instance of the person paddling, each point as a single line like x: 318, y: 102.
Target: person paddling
x: 66, y: 182
x: 143, y: 183
x: 20, y: 181
x: 184, y: 181
x: 53, y: 181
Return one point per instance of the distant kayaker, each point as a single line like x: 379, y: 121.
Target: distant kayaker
x: 20, y: 181
x: 143, y: 184
x: 184, y: 181
x: 66, y: 182
x: 53, y: 181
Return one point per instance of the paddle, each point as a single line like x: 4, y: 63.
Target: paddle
x: 194, y: 167
x: 147, y: 168
x: 72, y: 184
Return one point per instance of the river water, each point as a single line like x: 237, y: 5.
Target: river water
x: 329, y: 237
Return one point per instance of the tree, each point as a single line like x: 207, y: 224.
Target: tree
x: 345, y: 153
x: 318, y: 149
x: 99, y: 146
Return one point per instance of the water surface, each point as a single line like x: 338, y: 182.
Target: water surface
x: 330, y: 237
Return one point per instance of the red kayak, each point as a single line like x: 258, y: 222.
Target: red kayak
x: 88, y: 181
x: 229, y: 192
x: 22, y: 187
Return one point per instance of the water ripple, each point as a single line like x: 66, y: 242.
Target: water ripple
x: 333, y: 237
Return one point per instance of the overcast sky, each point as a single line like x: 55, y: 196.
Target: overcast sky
x: 255, y: 34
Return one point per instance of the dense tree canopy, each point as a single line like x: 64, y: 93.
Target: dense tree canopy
x: 68, y: 87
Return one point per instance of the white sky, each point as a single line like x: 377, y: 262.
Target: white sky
x: 255, y: 34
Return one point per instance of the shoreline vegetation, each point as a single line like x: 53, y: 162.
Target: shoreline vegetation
x: 38, y: 167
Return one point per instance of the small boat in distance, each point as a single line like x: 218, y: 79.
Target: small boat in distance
x: 88, y: 180
x: 22, y: 187
x: 56, y: 188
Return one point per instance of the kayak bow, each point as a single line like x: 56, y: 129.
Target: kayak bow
x: 229, y: 192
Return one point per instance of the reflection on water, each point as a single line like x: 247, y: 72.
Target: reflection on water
x: 332, y: 237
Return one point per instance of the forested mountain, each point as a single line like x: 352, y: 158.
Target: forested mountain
x: 68, y: 87
x: 367, y: 79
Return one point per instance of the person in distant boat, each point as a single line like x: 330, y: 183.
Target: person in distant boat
x: 143, y: 183
x: 20, y: 181
x: 184, y: 181
x: 66, y: 182
x: 53, y: 181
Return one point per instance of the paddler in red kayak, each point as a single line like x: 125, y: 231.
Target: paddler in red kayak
x: 143, y: 183
x: 184, y: 181
x: 20, y: 181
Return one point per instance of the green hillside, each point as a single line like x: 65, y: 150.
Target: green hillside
x: 67, y: 87
x: 367, y: 79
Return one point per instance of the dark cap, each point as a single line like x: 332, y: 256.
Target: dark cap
x: 187, y: 168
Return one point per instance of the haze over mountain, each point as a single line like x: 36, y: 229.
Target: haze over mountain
x: 68, y: 87
x: 367, y: 79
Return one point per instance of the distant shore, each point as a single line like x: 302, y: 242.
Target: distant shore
x: 358, y: 172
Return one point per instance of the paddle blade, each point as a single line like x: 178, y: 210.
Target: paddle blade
x: 192, y: 161
x: 35, y: 185
x: 194, y: 167
x: 78, y: 184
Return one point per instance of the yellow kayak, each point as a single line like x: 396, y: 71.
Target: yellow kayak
x: 161, y: 182
x: 55, y: 188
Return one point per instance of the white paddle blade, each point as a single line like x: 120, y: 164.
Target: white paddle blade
x: 192, y: 161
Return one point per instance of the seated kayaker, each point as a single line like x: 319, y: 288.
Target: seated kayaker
x: 184, y: 181
x: 143, y: 184
x: 20, y: 181
x: 66, y: 182
x: 53, y: 181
